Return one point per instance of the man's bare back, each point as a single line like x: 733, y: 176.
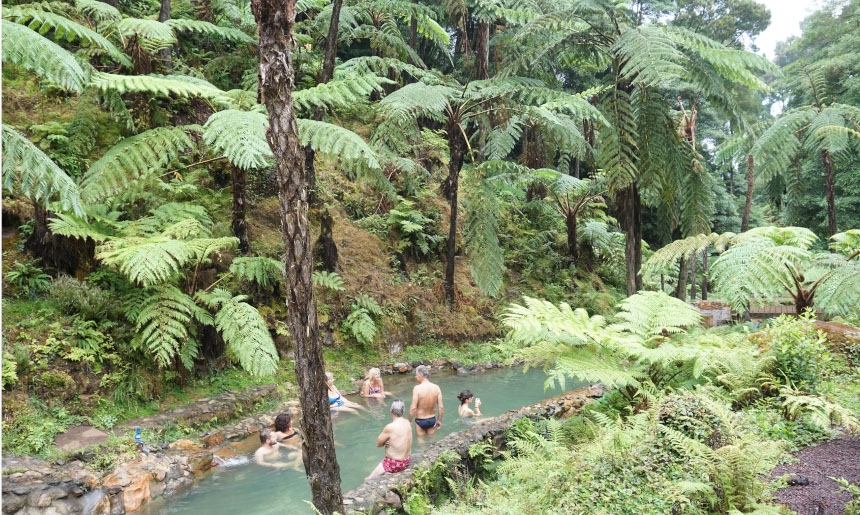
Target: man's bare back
x: 425, y: 397
x: 399, y: 435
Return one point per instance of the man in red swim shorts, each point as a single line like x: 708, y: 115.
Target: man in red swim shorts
x: 397, y: 439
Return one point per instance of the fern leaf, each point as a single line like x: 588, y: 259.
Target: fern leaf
x: 259, y: 270
x: 482, y: 240
x: 28, y: 49
x: 153, y: 35
x: 329, y: 280
x: 337, y: 142
x: 98, y: 11
x: 159, y: 85
x: 240, y: 136
x: 651, y: 313
x: 339, y: 93
x: 164, y: 321
x: 29, y: 172
x: 209, y: 29
x: 362, y: 326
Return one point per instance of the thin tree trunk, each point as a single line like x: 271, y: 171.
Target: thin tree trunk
x: 482, y: 51
x: 326, y: 74
x: 238, y: 224
x: 450, y: 187
x: 732, y: 181
x: 827, y: 161
x: 572, y: 247
x: 275, y: 21
x: 637, y: 235
x: 413, y: 31
x: 627, y: 207
x: 705, y: 274
x: 681, y: 289
x: 745, y: 221
x: 163, y: 16
x: 693, y: 260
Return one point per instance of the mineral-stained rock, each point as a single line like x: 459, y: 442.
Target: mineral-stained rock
x: 134, y: 481
x: 214, y: 439
x: 186, y: 445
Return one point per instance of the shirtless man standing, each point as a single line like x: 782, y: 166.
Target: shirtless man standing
x: 425, y: 397
x: 397, y: 439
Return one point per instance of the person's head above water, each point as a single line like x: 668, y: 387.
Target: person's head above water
x: 464, y: 396
x: 422, y: 373
x: 282, y: 422
x: 373, y: 373
x: 267, y: 437
x: 398, y: 408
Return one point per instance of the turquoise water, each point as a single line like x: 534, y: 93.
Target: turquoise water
x: 244, y: 487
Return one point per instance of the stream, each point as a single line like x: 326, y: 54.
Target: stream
x: 240, y: 486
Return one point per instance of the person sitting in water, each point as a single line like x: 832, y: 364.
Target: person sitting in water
x: 425, y: 397
x: 397, y: 439
x: 336, y: 401
x: 373, y: 386
x: 284, y: 432
x: 466, y: 397
x: 270, y: 449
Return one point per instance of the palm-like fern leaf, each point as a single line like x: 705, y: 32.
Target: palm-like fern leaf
x: 652, y: 313
x: 210, y: 29
x: 98, y: 11
x: 336, y: 141
x: 482, y: 240
x: 29, y: 172
x: 260, y: 270
x: 160, y: 85
x: 132, y: 159
x: 153, y: 35
x: 28, y: 49
x: 240, y: 136
x: 338, y: 93
x: 164, y: 320
x: 64, y: 28
x: 244, y: 330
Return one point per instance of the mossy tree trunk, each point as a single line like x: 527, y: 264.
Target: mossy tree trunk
x: 275, y: 22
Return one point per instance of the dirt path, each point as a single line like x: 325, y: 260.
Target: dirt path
x: 813, y: 492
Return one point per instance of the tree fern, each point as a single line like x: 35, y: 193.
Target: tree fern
x: 26, y: 48
x: 339, y: 93
x: 337, y: 142
x: 259, y: 270
x: 132, y: 159
x: 98, y: 11
x: 153, y: 35
x: 244, y: 331
x: 650, y: 314
x: 209, y: 29
x: 486, y: 259
x: 29, y: 172
x: 821, y: 412
x: 158, y: 85
x: 240, y: 136
x: 64, y: 28
x: 163, y: 323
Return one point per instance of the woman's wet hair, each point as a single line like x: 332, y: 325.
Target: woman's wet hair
x: 265, y: 435
x: 282, y: 422
x: 398, y: 408
x: 464, y: 396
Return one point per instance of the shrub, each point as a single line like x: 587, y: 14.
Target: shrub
x: 688, y: 414
x: 10, y: 375
x: 73, y: 296
x: 28, y: 277
x: 801, y: 356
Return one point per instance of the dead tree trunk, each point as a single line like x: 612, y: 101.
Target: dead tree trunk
x: 275, y: 21
x: 745, y: 221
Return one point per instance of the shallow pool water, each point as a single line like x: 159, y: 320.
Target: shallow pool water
x: 244, y: 487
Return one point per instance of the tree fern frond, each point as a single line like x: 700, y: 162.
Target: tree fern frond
x: 244, y: 331
x: 336, y: 141
x: 29, y: 172
x: 653, y: 313
x: 210, y: 29
x: 240, y: 136
x: 132, y: 159
x: 28, y: 49
x: 64, y: 28
x: 164, y: 320
x: 98, y: 11
x: 159, y: 85
x: 339, y: 93
x: 260, y: 270
x: 648, y: 55
x: 329, y: 280
x: 153, y: 35
x: 482, y: 240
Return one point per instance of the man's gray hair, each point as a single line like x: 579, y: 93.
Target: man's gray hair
x: 398, y: 408
x: 423, y: 371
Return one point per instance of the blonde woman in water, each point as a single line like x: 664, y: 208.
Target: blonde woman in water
x: 373, y: 387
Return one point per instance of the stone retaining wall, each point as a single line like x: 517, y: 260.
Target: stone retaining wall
x: 385, y: 492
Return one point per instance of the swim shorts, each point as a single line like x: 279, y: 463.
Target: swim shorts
x: 390, y: 465
x: 426, y: 423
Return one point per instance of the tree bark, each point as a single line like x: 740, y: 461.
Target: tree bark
x: 413, y: 31
x: 457, y: 147
x: 163, y: 16
x: 745, y: 221
x: 326, y: 74
x: 705, y: 274
x: 629, y: 208
x: 275, y: 21
x: 482, y: 52
x: 572, y: 247
x: 693, y: 259
x: 325, y: 249
x: 827, y: 161
x: 681, y: 288
x: 238, y: 224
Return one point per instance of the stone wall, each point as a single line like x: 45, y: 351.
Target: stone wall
x: 385, y: 492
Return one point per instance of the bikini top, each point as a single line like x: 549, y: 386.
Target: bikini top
x: 294, y: 433
x: 371, y: 390
x: 332, y: 400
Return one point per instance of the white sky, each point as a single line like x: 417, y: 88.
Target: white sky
x: 785, y: 18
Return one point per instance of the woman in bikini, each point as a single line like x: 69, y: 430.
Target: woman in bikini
x: 464, y: 410
x: 336, y: 401
x: 373, y: 387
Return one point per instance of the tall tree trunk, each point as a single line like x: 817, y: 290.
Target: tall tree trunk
x: 572, y: 247
x: 413, y: 31
x: 745, y: 221
x: 705, y: 274
x: 163, y: 16
x: 482, y: 51
x: 681, y: 288
x: 450, y: 187
x: 628, y: 205
x: 275, y: 21
x: 326, y: 74
x: 732, y: 181
x: 693, y: 259
x: 827, y: 161
x: 238, y: 224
